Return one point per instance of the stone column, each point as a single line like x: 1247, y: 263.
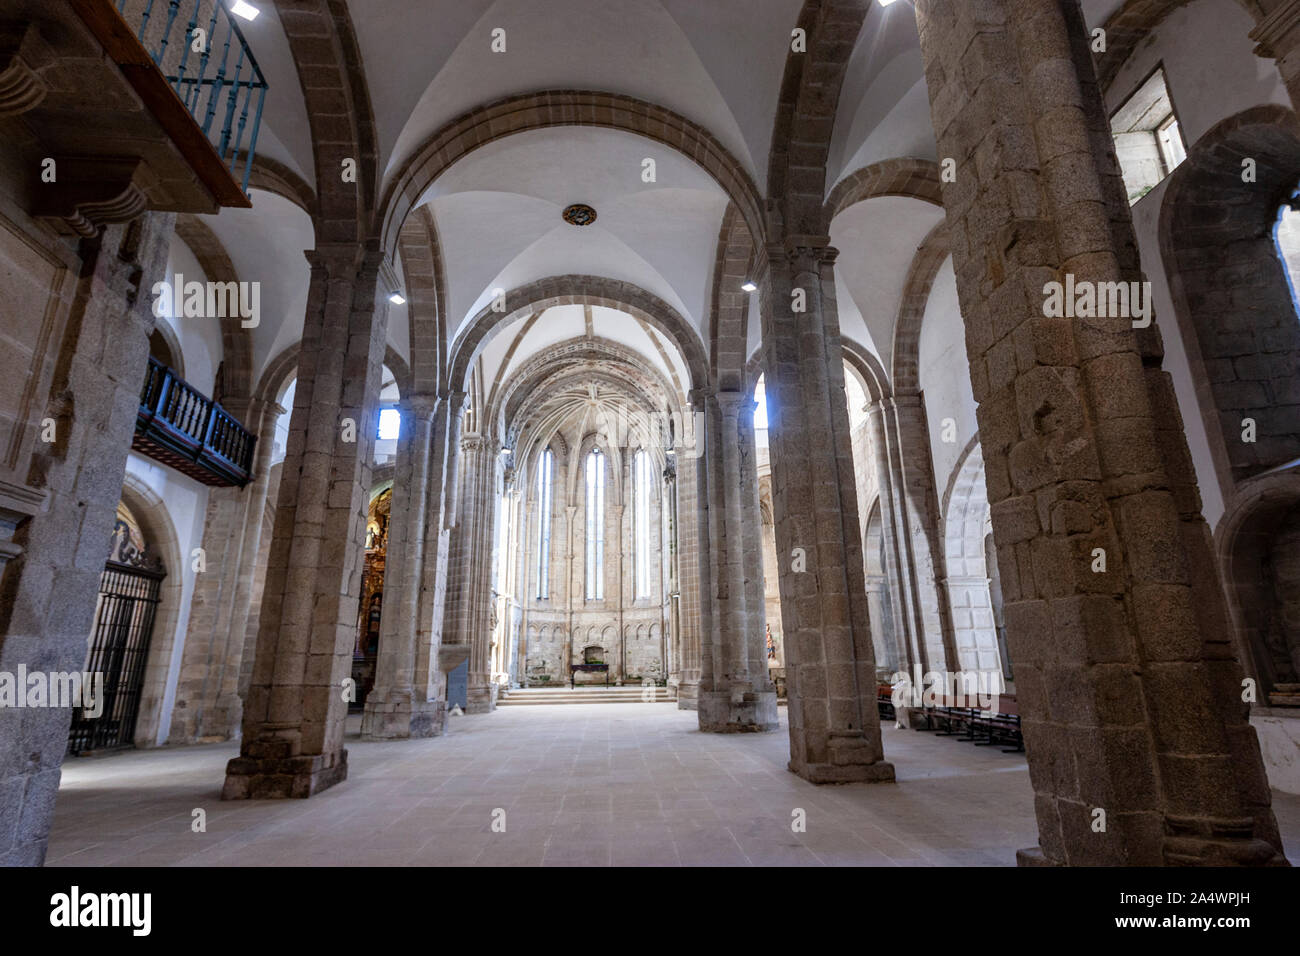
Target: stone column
x: 523, y: 585
x: 1128, y: 690
x: 672, y: 587
x: 431, y: 664
x: 49, y: 587
x: 400, y: 705
x: 924, y: 648
x: 293, y: 718
x: 891, y: 656
x: 208, y: 703
x: 830, y: 661
x: 470, y: 589
x: 735, y: 692
x: 693, y: 570
x: 570, y: 512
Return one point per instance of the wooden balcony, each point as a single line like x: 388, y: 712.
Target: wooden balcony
x: 181, y: 427
x: 140, y: 104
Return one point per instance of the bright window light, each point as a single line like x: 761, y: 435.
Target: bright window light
x: 390, y: 423
x: 397, y: 299
x: 245, y: 10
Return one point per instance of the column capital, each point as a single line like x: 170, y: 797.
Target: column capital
x: 809, y: 253
x: 733, y: 403
x: 455, y: 398
x: 477, y: 443
x: 421, y: 406
x: 334, y: 257
x: 699, y: 397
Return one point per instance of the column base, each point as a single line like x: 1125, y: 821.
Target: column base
x: 755, y: 712
x: 481, y: 699
x: 1193, y: 841
x: 398, y: 716
x: 1033, y: 856
x: 688, y: 695
x: 852, y: 759
x: 279, y: 778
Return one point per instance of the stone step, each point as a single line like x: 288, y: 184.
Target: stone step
x: 600, y: 695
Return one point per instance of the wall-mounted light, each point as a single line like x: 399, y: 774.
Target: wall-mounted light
x: 885, y: 3
x: 245, y: 10
x: 397, y: 299
x: 748, y: 286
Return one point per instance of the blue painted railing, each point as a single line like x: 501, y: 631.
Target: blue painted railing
x: 201, y: 51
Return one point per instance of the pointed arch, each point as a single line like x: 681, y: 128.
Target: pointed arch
x: 580, y: 290
x: 551, y: 108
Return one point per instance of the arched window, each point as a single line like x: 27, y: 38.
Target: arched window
x: 641, y: 478
x: 595, y: 526
x: 544, y: 525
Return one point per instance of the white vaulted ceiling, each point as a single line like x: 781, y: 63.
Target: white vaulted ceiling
x: 499, y: 218
x: 718, y: 64
x: 877, y: 240
x: 497, y: 209
x: 515, y: 346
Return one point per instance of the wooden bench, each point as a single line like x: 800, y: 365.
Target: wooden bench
x: 885, y: 702
x: 980, y: 727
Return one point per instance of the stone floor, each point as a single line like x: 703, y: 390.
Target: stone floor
x: 588, y: 784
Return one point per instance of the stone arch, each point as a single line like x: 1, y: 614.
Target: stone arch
x: 165, y: 345
x: 425, y: 294
x: 866, y: 368
x: 273, y: 176
x: 929, y: 259
x: 551, y: 108
x: 1230, y: 288
x: 236, y: 341
x: 401, y: 371
x: 966, y: 517
x: 151, y: 511
x: 805, y: 114
x: 729, y: 330
x: 513, y: 404
x: 381, y: 479
x: 915, y: 178
x: 325, y: 50
x: 580, y: 290
x: 1258, y: 543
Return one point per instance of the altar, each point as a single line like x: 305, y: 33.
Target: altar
x: 575, y: 669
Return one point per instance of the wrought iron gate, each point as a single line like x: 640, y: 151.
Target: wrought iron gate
x: 119, y: 650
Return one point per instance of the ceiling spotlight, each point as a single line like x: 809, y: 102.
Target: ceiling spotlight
x: 749, y: 286
x: 885, y: 3
x: 397, y: 299
x: 250, y: 12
